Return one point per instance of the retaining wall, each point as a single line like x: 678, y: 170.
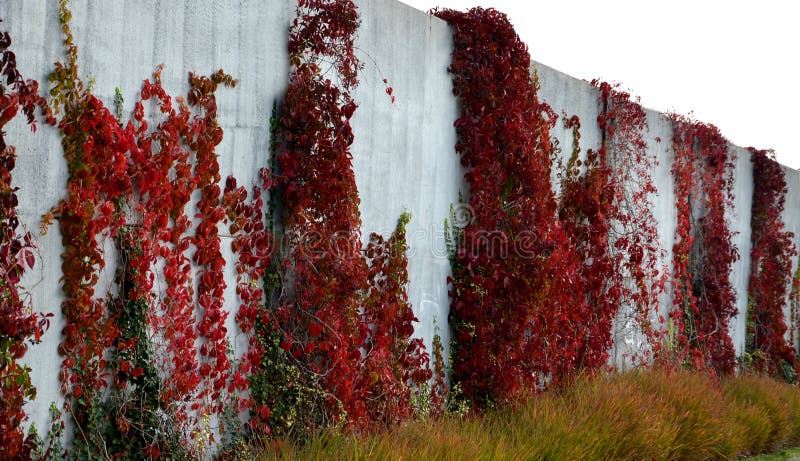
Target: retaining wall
x: 404, y: 155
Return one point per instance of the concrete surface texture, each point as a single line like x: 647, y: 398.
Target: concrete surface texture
x: 403, y: 153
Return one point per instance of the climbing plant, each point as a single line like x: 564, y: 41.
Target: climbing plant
x: 130, y: 185
x: 605, y: 208
x: 254, y: 245
x: 95, y: 147
x: 770, y: 270
x: 537, y: 282
x: 334, y: 344
x: 19, y: 324
x: 395, y: 364
x: 703, y: 255
x: 320, y: 319
x: 794, y: 312
x: 516, y: 298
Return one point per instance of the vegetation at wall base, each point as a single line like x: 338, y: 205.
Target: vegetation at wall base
x: 640, y: 414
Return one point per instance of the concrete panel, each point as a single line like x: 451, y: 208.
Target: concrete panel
x: 659, y: 143
x: 739, y: 221
x: 403, y: 153
x: 569, y: 96
x: 629, y: 341
x: 791, y: 220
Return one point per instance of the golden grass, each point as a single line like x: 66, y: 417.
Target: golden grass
x: 648, y: 414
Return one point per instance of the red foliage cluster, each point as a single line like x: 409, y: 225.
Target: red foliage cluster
x: 586, y: 205
x: 205, y: 134
x: 163, y: 168
x: 703, y: 254
x: 344, y: 319
x: 517, y: 303
x: 683, y: 171
x: 634, y: 230
x: 716, y: 300
x: 440, y: 391
x: 395, y: 363
x: 18, y: 323
x: 95, y: 147
x: 321, y: 322
x: 172, y: 161
x: 605, y: 210
x: 254, y: 246
x: 771, y: 266
x: 133, y: 179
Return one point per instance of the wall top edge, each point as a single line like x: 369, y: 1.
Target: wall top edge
x: 577, y: 81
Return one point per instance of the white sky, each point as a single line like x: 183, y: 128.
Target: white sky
x: 733, y: 63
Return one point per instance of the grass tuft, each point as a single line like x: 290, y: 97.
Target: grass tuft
x: 645, y: 414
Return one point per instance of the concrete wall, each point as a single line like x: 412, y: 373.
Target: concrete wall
x: 404, y: 157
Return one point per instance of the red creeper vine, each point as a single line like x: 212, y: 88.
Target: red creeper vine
x: 18, y: 323
x: 703, y: 254
x: 132, y: 184
x: 605, y: 209
x: 343, y: 320
x: 516, y: 302
x: 395, y: 363
x: 771, y: 270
